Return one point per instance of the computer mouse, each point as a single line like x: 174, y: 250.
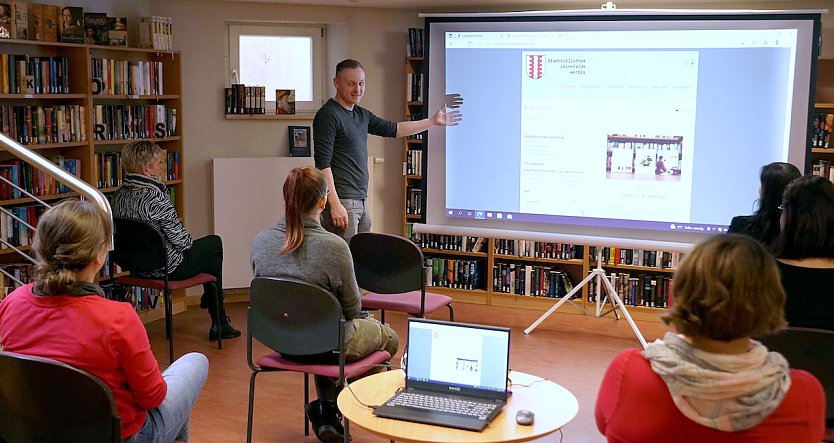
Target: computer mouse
x: 524, y: 417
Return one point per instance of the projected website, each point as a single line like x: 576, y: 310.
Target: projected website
x: 627, y: 129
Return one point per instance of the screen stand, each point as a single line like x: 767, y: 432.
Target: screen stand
x: 612, y: 297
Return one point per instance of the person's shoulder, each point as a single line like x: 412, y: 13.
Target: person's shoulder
x: 739, y: 224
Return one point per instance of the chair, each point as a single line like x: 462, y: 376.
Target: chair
x: 811, y: 350
x: 45, y: 400
x: 392, y: 268
x: 299, y: 319
x: 139, y: 248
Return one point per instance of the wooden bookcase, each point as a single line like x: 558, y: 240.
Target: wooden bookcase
x: 824, y: 104
x: 85, y: 144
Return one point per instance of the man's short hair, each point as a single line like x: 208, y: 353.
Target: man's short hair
x: 348, y: 64
x: 138, y: 154
x: 727, y: 288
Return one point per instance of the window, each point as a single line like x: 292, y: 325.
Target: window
x: 280, y: 57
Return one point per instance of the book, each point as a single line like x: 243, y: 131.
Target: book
x: 72, y: 24
x: 6, y: 20
x: 49, y: 22
x: 285, y: 101
x: 117, y: 31
x: 95, y: 28
x: 20, y: 16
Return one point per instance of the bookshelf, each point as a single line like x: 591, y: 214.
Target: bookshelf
x: 413, y: 146
x: 82, y: 104
x: 822, y: 157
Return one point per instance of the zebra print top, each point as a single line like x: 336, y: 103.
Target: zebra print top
x: 143, y: 197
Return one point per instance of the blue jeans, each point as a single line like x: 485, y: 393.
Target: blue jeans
x: 359, y: 219
x: 185, y: 378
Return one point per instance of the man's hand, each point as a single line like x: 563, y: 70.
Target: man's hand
x: 444, y: 118
x: 338, y: 214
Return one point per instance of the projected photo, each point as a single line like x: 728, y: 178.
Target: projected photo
x: 644, y: 158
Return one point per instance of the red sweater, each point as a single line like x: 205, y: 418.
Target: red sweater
x: 634, y: 405
x: 103, y: 337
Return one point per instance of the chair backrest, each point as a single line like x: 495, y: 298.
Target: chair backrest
x: 138, y: 246
x: 387, y: 264
x: 294, y: 317
x: 811, y: 350
x: 43, y: 400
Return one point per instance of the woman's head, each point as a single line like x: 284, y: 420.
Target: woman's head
x: 69, y: 237
x: 774, y: 179
x: 305, y: 192
x: 142, y: 157
x: 727, y: 288
x: 807, y: 219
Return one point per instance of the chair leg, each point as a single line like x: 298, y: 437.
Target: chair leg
x: 251, y: 406
x: 382, y: 316
x: 306, y: 402
x: 347, y: 430
x: 169, y: 324
x: 451, y: 312
x: 217, y: 310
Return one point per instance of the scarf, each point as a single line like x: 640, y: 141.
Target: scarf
x: 721, y: 391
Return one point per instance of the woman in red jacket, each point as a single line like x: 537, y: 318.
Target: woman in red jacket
x: 711, y: 382
x: 64, y: 316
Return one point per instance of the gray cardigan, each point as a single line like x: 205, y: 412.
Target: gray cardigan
x: 323, y: 259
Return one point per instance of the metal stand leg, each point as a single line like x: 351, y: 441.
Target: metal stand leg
x: 612, y: 297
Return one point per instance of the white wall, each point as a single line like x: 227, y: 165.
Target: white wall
x: 375, y: 37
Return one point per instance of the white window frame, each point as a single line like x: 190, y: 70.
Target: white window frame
x: 315, y: 31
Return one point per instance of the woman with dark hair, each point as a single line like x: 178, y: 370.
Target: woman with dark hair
x: 805, y: 252
x: 711, y: 382
x: 64, y: 316
x: 299, y: 248
x: 763, y: 225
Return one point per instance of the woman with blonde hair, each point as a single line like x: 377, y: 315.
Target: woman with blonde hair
x: 710, y: 381
x: 64, y: 316
x: 299, y: 248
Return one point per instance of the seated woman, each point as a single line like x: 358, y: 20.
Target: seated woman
x: 711, y: 382
x: 805, y: 252
x: 64, y: 316
x: 299, y: 248
x: 763, y: 225
x: 144, y: 197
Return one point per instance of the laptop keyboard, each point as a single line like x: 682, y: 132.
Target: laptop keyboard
x: 443, y: 404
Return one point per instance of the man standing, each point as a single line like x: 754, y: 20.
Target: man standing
x: 340, y: 135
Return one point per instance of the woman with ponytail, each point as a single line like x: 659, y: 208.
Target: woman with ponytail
x: 64, y: 316
x: 299, y: 248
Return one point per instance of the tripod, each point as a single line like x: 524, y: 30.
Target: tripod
x: 611, y: 296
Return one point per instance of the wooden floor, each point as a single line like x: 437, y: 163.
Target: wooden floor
x: 571, y: 350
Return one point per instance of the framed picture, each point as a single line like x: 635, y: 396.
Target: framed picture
x: 299, y: 141
x: 285, y: 101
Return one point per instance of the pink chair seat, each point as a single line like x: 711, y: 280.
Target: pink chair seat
x: 277, y: 361
x: 408, y: 302
x: 173, y: 285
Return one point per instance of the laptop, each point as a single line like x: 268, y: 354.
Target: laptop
x: 456, y: 375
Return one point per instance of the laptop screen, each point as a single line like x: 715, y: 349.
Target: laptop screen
x: 457, y: 357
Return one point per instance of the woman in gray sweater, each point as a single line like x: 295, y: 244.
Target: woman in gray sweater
x: 299, y: 248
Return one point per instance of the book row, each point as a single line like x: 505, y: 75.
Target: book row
x: 822, y: 130
x: 449, y: 242
x: 17, y: 225
x: 18, y: 174
x: 108, y: 172
x: 20, y: 271
x: 126, y: 122
x: 415, y: 42
x: 419, y: 135
x: 638, y: 257
x: 22, y: 74
x: 453, y: 273
x: 242, y: 99
x: 536, y: 281
x: 414, y: 201
x: 142, y: 299
x: 415, y: 85
x: 156, y: 32
x: 823, y: 169
x: 413, y: 164
x: 68, y: 24
x: 654, y: 291
x: 534, y: 249
x: 123, y: 77
x: 30, y: 125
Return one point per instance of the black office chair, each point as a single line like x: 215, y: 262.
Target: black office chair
x: 298, y: 319
x: 43, y: 400
x: 140, y: 248
x: 811, y: 350
x: 392, y: 268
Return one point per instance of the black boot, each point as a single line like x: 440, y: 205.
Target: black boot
x: 323, y: 416
x: 225, y: 326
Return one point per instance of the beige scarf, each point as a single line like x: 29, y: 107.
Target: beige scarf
x: 720, y: 391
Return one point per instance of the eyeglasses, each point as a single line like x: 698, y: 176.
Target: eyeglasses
x: 326, y: 192
x: 781, y: 208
